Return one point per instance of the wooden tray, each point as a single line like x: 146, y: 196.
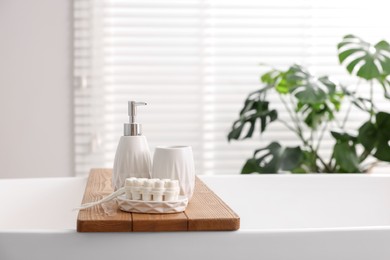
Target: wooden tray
x: 205, y: 212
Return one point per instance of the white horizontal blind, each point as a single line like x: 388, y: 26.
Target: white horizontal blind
x: 194, y: 62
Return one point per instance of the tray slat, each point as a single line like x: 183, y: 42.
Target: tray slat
x: 205, y: 212
x: 95, y: 219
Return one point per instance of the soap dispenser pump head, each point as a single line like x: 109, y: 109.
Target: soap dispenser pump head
x: 133, y: 128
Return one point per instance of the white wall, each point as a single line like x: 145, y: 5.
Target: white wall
x: 35, y: 88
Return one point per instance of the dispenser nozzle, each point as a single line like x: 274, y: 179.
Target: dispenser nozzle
x: 133, y: 128
x: 133, y: 110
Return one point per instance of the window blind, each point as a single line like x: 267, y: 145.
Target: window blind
x: 194, y: 62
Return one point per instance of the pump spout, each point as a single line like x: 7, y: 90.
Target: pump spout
x: 133, y: 110
x: 133, y: 128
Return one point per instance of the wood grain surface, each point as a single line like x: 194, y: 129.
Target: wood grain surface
x: 205, y: 212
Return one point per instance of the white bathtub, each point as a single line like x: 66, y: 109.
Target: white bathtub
x: 298, y: 217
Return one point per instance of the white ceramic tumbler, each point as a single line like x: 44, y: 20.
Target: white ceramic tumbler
x: 177, y: 163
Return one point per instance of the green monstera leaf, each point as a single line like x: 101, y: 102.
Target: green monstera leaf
x: 316, y: 98
x: 343, y: 136
x: 273, y: 158
x: 375, y: 137
x: 307, y: 88
x: 346, y: 158
x: 344, y: 152
x: 315, y: 114
x: 363, y: 59
x: 255, y: 110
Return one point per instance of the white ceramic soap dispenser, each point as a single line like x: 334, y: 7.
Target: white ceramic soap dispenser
x: 132, y: 158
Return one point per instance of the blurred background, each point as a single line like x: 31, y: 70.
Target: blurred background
x: 68, y: 68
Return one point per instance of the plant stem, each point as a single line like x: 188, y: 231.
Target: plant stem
x: 321, y: 136
x: 294, y: 119
x: 287, y: 125
x: 324, y: 164
x: 312, y: 137
x: 337, y: 123
x: 350, y: 107
x: 327, y: 168
x: 346, y: 116
x: 298, y: 120
x: 298, y: 131
x: 364, y: 156
x: 371, y: 100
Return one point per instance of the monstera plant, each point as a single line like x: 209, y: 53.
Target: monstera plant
x: 313, y: 106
